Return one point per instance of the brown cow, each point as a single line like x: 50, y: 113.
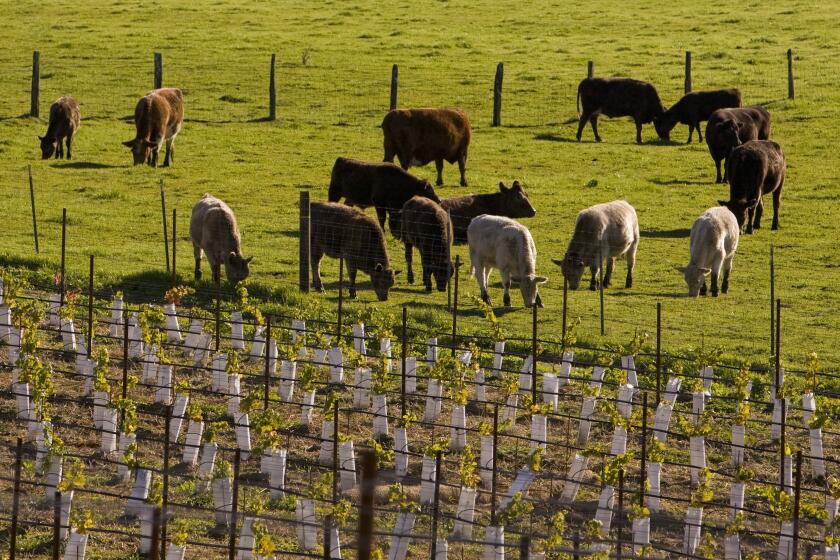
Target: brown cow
x: 617, y: 97
x: 158, y: 118
x: 693, y: 108
x: 65, y: 119
x: 755, y: 168
x: 340, y: 231
x: 728, y: 128
x: 426, y: 226
x: 511, y: 202
x: 419, y: 136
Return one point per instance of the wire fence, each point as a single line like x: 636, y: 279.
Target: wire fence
x: 577, y: 432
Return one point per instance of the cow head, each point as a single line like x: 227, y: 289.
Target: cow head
x: 48, y: 146
x: 442, y: 275
x: 728, y: 133
x: 572, y: 268
x: 236, y: 267
x: 426, y: 190
x: 382, y: 279
x: 140, y: 149
x: 528, y: 286
x: 740, y: 208
x: 695, y: 277
x: 515, y: 203
x: 663, y: 124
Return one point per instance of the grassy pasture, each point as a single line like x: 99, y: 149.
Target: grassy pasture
x: 334, y: 62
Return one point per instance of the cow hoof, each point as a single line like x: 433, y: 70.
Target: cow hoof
x: 198, y: 275
x: 506, y: 301
x: 628, y: 285
x: 724, y: 289
x: 463, y: 183
x: 703, y: 290
x: 597, y: 138
x: 410, y: 279
x: 774, y: 227
x: 428, y: 289
x: 714, y: 293
x: 352, y: 294
x: 592, y: 287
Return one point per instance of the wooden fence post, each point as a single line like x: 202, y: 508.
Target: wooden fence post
x: 63, y: 285
x: 158, y: 70
x: 366, y: 512
x: 272, y: 90
x: 687, y: 71
x: 36, y: 84
x: 32, y: 201
x: 590, y: 69
x: 165, y: 233
x: 790, y: 74
x: 15, y: 499
x: 174, y: 252
x: 497, y: 94
x: 303, y: 270
x: 395, y: 73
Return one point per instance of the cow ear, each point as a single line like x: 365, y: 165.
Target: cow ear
x: 723, y: 202
x: 516, y: 186
x: 130, y: 143
x: 681, y: 269
x: 249, y: 259
x: 558, y: 262
x: 540, y: 279
x: 705, y: 271
x: 396, y: 272
x: 40, y: 138
x: 378, y: 267
x: 502, y: 187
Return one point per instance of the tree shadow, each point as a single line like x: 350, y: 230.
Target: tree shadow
x: 678, y: 233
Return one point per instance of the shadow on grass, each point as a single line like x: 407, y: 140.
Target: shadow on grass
x: 550, y: 137
x: 668, y: 182
x: 85, y: 165
x: 678, y: 233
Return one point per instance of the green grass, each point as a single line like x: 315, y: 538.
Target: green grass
x: 333, y: 72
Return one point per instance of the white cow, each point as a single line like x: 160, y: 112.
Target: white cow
x: 714, y: 240
x: 213, y: 229
x: 505, y: 244
x: 604, y: 231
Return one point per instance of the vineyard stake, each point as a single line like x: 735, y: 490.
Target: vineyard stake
x: 642, y: 476
x: 56, y: 525
x: 218, y: 310
x: 174, y: 239
x: 402, y: 357
x: 16, y: 499
x: 272, y: 90
x: 90, y: 310
x: 495, y: 457
x: 340, y: 299
x: 782, y: 443
x: 534, y: 353
x: 327, y: 544
x: 165, y: 493
x: 395, y: 75
x: 619, y: 519
x: 366, y: 510
x: 524, y: 546
x: 165, y: 234
x: 565, y: 298
x: 796, y: 496
x: 63, y: 285
x: 455, y: 304
x: 304, y: 252
x: 576, y: 545
x: 153, y: 555
x: 778, y: 343
x: 125, y: 354
x: 267, y: 370
x: 32, y: 202
x: 601, y: 288
x: 658, y: 350
x: 772, y: 301
x: 335, y: 454
x: 436, y: 510
x: 232, y: 547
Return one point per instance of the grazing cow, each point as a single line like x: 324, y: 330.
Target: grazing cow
x: 383, y: 185
x: 340, y: 231
x: 65, y: 119
x: 419, y: 136
x: 502, y: 243
x: 728, y: 128
x: 755, y: 168
x: 603, y: 231
x: 213, y: 229
x: 158, y: 118
x: 693, y: 108
x: 426, y: 226
x: 714, y: 240
x: 511, y: 202
x: 617, y: 97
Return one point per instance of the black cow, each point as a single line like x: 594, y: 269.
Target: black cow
x: 693, y: 108
x: 617, y: 97
x: 728, y: 128
x: 755, y: 168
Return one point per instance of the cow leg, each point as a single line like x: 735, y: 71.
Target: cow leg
x: 593, y: 120
x: 315, y: 263
x: 699, y: 132
x: 427, y: 273
x: 153, y: 158
x: 584, y: 118
x: 727, y: 268
x: 197, y: 254
x: 593, y: 283
x: 408, y: 258
x: 631, y: 264
x: 717, y: 263
x: 381, y: 214
x: 59, y: 150
x: 777, y: 199
x: 609, y: 271
x: 462, y: 167
x: 351, y: 274
x: 168, y: 158
x: 691, y: 132
x: 638, y: 132
x: 719, y: 178
x: 759, y: 211
x: 703, y: 288
x: 405, y: 161
x: 439, y: 167
x: 481, y: 274
x: 750, y: 213
x: 506, y: 287
x: 69, y: 147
